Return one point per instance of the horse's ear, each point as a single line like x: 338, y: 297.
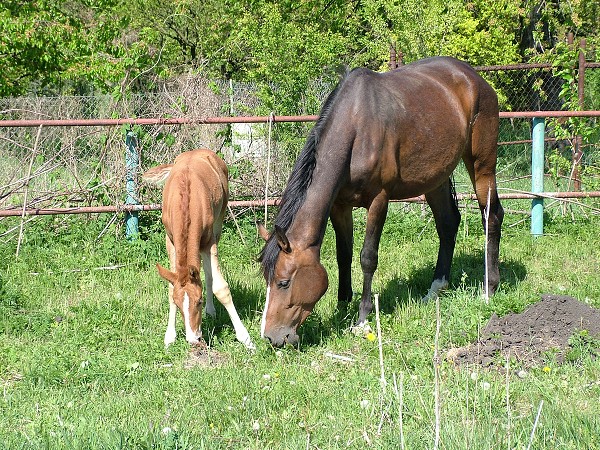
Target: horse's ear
x: 282, y: 240
x: 171, y: 277
x: 263, y: 232
x: 157, y: 175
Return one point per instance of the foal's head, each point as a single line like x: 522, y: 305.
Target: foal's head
x: 187, y: 295
x: 297, y: 282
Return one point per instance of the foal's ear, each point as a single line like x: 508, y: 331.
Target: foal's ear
x: 263, y: 232
x: 171, y: 277
x: 282, y: 240
x: 194, y: 273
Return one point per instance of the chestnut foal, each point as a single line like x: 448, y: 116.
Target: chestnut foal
x: 194, y: 204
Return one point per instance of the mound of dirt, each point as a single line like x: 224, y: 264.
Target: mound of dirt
x: 202, y: 356
x: 545, y: 325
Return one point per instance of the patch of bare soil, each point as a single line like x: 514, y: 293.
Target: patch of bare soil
x: 204, y: 357
x: 545, y: 326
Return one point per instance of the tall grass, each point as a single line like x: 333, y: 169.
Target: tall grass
x: 82, y: 362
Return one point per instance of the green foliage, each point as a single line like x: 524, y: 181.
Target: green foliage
x: 583, y: 344
x: 106, y: 45
x: 61, y: 46
x: 34, y: 44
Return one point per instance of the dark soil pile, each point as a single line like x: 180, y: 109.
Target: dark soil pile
x: 545, y: 326
x: 200, y: 355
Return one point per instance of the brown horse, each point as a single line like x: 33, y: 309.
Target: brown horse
x: 380, y: 136
x: 194, y: 205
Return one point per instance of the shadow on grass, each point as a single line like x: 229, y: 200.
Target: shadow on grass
x: 467, y: 270
x: 249, y: 303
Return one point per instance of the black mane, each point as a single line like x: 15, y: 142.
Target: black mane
x: 295, y: 192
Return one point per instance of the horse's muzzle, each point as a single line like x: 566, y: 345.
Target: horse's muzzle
x: 282, y: 337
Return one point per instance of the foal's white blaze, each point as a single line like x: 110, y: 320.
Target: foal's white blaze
x: 190, y: 335
x: 436, y: 287
x: 264, y: 316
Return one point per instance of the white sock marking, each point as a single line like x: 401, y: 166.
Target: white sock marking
x: 436, y: 287
x: 171, y: 333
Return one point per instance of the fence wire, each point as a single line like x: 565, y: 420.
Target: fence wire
x: 55, y: 167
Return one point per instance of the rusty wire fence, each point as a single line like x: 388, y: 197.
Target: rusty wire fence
x: 46, y: 168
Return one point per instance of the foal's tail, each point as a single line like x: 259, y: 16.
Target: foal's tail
x: 157, y: 175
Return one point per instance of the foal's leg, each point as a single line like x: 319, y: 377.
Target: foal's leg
x: 341, y: 219
x: 206, y: 262
x: 222, y: 292
x: 447, y: 220
x: 171, y: 332
x: 210, y: 304
x: 369, y: 254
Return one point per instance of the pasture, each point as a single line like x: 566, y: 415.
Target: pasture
x: 83, y: 364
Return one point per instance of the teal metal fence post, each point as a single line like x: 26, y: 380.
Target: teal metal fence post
x: 132, y: 161
x: 537, y: 176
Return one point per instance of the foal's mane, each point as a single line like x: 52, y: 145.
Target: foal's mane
x: 298, y: 182
x: 183, y: 188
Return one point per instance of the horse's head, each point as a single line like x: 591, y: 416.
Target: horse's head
x: 298, y: 281
x: 187, y: 295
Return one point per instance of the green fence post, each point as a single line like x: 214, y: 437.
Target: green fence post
x: 537, y: 176
x: 132, y: 161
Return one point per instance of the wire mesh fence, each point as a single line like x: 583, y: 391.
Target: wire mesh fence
x: 57, y: 167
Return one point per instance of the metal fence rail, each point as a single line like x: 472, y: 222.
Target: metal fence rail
x: 67, y: 154
x: 133, y: 203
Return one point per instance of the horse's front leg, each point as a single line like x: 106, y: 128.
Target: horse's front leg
x: 341, y: 219
x: 171, y: 332
x: 369, y: 254
x: 221, y: 290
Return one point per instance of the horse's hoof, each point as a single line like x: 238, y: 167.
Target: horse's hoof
x: 247, y: 342
x: 212, y: 312
x: 250, y: 346
x: 437, y: 286
x: 170, y: 337
x: 361, y: 329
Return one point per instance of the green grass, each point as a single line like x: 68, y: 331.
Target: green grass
x: 82, y: 362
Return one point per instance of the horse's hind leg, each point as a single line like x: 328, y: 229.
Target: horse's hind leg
x: 447, y: 220
x: 481, y: 165
x: 369, y: 254
x: 341, y: 219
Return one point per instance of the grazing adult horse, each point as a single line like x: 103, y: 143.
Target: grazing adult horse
x: 380, y: 136
x: 194, y: 204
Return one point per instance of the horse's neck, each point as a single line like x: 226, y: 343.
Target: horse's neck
x: 308, y: 226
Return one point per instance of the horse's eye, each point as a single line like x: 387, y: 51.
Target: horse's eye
x: 283, y: 284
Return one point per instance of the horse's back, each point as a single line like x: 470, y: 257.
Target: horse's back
x: 409, y: 127
x: 424, y: 83
x: 204, y: 170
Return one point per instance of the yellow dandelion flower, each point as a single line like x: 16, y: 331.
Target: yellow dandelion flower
x: 370, y: 337
x: 546, y: 369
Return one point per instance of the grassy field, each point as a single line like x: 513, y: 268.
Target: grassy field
x: 83, y: 366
